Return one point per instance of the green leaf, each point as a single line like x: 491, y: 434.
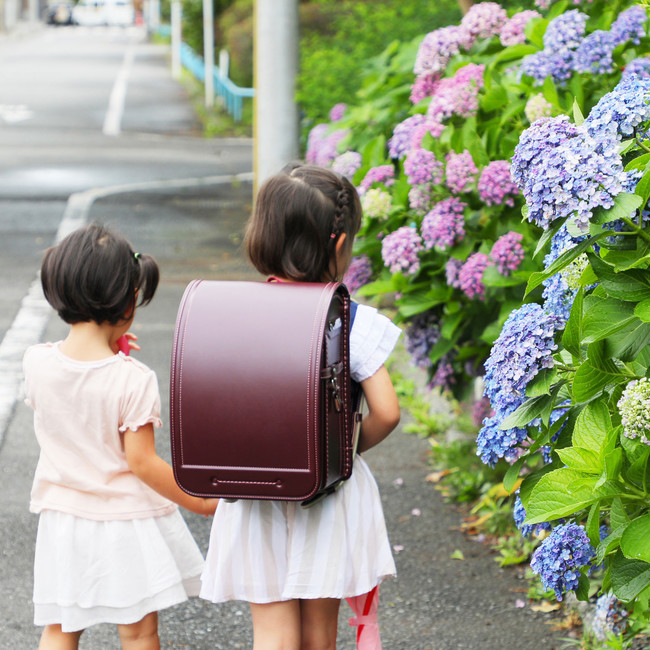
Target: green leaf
x: 541, y: 384
x: 613, y: 464
x: 617, y: 514
x: 642, y: 189
x: 624, y: 205
x: 578, y: 117
x: 629, y: 577
x: 495, y: 98
x: 609, y: 544
x: 547, y: 235
x: 512, y: 474
x: 590, y: 380
x: 376, y: 288
x: 562, y: 492
x: 642, y: 310
x: 639, y: 162
x: 632, y: 285
x: 532, y: 408
x: 592, y: 425
x: 626, y: 346
x: 572, y: 335
x: 585, y: 460
x: 605, y: 317
x: 634, y: 542
x: 592, y: 526
x: 563, y: 260
x: 535, y: 30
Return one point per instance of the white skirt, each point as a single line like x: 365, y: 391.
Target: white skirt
x: 88, y: 572
x: 268, y: 551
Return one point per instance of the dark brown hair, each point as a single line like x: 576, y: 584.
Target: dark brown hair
x: 298, y: 218
x: 93, y: 275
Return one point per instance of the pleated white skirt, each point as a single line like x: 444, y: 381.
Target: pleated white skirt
x: 268, y: 551
x: 88, y: 572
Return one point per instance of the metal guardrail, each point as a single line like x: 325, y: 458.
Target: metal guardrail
x: 232, y: 94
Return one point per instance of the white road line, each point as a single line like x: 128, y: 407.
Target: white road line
x: 113, y: 119
x: 32, y: 317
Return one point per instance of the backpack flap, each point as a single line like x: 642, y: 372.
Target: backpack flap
x: 246, y: 390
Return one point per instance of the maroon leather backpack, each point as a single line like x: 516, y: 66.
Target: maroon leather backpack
x: 260, y: 396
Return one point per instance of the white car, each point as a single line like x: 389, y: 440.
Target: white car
x: 104, y: 12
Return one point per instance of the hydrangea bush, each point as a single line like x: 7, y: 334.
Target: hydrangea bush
x: 436, y: 129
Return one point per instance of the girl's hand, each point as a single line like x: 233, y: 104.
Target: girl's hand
x: 126, y: 343
x: 208, y: 507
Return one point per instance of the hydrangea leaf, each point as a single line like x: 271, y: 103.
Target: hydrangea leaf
x: 613, y: 464
x: 634, y: 542
x: 591, y: 427
x: 511, y: 476
x: 572, y: 336
x: 528, y: 411
x: 609, y: 544
x: 592, y: 378
x: 578, y: 117
x: 592, y: 527
x: 618, y: 516
x: 558, y: 494
x: 638, y: 469
x: 582, y: 590
x: 627, y: 345
x: 605, y: 317
x: 639, y: 162
x: 535, y: 30
x: 629, y: 577
x: 624, y: 205
x: 514, y: 52
x: 541, y: 384
x: 642, y: 189
x: 582, y: 459
x: 547, y: 236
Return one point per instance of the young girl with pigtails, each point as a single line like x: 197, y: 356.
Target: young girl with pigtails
x: 111, y: 546
x: 293, y: 564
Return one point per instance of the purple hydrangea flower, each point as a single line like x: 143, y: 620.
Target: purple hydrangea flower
x: 495, y: 186
x: 610, y: 617
x: 481, y: 409
x: 629, y: 26
x: 420, y: 197
x: 384, y: 174
x: 322, y: 144
x: 457, y: 95
x: 460, y: 171
x: 537, y: 107
x: 639, y: 67
x: 565, y: 31
x: 484, y: 20
x: 594, y: 54
x: 507, y: 252
x: 400, y: 249
x: 347, y: 164
x: 438, y: 47
x: 470, y: 276
x: 358, y: 274
x: 422, y: 333
x: 337, y: 111
x: 452, y: 270
x: 559, y: 558
x: 444, y: 225
x: 543, y: 4
x: 620, y: 111
x: 513, y: 31
x: 401, y: 141
x: 564, y: 171
x: 443, y: 377
x: 421, y: 167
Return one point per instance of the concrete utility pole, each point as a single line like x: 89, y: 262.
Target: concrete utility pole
x: 208, y: 52
x: 176, y: 38
x: 276, y: 66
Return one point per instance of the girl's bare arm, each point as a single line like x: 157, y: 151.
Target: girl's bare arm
x: 144, y: 462
x: 383, y: 409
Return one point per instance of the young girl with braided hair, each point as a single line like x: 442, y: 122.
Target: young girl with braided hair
x: 111, y: 545
x: 292, y: 564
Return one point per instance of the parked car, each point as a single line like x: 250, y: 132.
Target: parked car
x: 104, y: 12
x: 59, y: 12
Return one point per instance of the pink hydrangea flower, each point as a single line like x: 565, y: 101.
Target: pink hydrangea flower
x: 484, y: 20
x: 495, y: 185
x: 439, y: 46
x: 513, y: 31
x: 444, y: 225
x: 382, y: 174
x: 470, y: 276
x: 400, y: 249
x: 322, y: 145
x: 457, y: 95
x: 420, y: 198
x: 347, y: 164
x: 424, y: 86
x: 460, y: 171
x: 452, y: 269
x: 507, y: 252
x: 337, y: 112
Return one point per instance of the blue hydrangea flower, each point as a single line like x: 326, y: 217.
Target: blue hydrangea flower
x: 558, y: 296
x: 621, y: 111
x: 610, y: 617
x: 630, y: 25
x: 524, y: 347
x: 559, y: 558
x: 548, y: 63
x: 565, y: 31
x: 640, y: 67
x: 565, y: 170
x: 594, y: 54
x: 519, y: 514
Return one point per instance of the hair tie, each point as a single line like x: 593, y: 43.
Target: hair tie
x: 136, y: 255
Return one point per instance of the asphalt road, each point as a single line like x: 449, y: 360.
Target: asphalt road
x: 185, y: 200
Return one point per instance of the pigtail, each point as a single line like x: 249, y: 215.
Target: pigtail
x: 149, y: 276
